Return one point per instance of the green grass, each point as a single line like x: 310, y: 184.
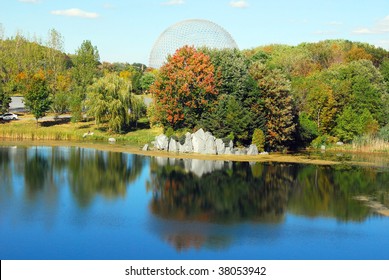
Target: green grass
x: 26, y: 129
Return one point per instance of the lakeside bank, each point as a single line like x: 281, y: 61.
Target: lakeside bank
x: 300, y: 158
x: 62, y: 132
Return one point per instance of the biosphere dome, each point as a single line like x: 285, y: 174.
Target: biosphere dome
x: 193, y: 32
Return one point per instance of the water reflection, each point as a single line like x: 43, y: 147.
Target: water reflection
x: 188, y: 203
x: 228, y: 193
x: 87, y: 172
x: 94, y: 172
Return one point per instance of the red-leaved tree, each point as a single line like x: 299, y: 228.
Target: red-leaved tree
x: 184, y: 89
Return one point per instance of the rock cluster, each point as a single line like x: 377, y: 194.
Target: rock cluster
x: 201, y: 142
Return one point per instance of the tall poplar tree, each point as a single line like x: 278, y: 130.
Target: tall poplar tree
x: 278, y: 103
x: 85, y: 69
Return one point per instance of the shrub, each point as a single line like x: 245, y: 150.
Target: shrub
x: 324, y: 140
x: 307, y: 129
x: 258, y: 139
x: 169, y: 132
x: 384, y: 133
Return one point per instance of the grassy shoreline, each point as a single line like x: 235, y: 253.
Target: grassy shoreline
x: 64, y: 130
x: 65, y: 133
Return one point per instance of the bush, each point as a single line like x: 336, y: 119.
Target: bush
x: 307, y: 129
x: 258, y: 139
x: 324, y: 140
x: 351, y: 124
x: 169, y: 132
x: 383, y: 133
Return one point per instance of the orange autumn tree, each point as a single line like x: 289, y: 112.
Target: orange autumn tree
x: 184, y: 89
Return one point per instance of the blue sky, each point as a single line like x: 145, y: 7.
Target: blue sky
x: 125, y: 30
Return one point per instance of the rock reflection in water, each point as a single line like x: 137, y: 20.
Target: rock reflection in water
x: 206, y: 193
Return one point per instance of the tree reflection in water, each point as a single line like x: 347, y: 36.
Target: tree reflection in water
x: 194, y: 203
x: 239, y: 192
x: 94, y: 172
x: 88, y: 172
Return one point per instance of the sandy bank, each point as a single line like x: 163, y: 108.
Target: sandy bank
x: 117, y: 147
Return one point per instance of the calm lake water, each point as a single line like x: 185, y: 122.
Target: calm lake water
x: 77, y: 203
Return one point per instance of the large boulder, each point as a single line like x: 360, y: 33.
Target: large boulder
x: 173, y: 147
x: 161, y: 142
x: 187, y: 147
x: 228, y: 151
x: 240, y: 151
x: 198, y: 141
x: 220, y: 146
x: 210, y: 147
x: 253, y: 150
x: 231, y: 145
x: 180, y: 147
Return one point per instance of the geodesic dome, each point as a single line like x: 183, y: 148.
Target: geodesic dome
x: 193, y: 32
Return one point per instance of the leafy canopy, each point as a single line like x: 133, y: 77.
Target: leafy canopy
x: 184, y: 89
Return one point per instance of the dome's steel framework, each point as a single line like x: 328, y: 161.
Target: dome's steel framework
x: 193, y: 32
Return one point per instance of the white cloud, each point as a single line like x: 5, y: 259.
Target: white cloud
x: 381, y: 26
x: 173, y: 2
x: 29, y: 1
x: 241, y: 4
x: 75, y: 13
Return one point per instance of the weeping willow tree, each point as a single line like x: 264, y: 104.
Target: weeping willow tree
x: 109, y: 100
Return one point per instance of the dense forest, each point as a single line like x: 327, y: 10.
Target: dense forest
x: 278, y: 96
x: 313, y: 93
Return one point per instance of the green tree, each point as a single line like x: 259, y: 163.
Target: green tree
x: 59, y: 76
x: 278, y: 104
x: 85, y: 70
x: 147, y: 80
x: 351, y: 124
x: 384, y: 69
x: 37, y: 97
x: 5, y: 100
x: 109, y: 100
x: 369, y: 91
x: 62, y: 97
x: 229, y: 116
x: 233, y: 78
x: 184, y: 89
x: 307, y: 129
x: 259, y: 139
